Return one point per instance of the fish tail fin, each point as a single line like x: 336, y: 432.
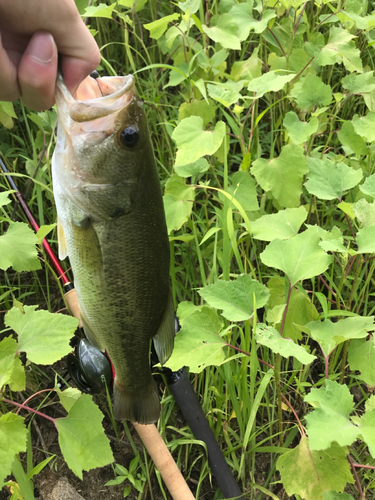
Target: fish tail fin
x: 142, y: 407
x: 164, y: 338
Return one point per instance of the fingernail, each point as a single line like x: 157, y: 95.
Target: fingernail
x: 40, y: 48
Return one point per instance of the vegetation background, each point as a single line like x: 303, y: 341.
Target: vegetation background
x: 262, y: 115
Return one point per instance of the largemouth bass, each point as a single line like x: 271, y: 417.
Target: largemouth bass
x: 111, y: 224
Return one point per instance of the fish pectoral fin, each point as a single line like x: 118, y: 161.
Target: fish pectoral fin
x: 63, y: 250
x: 87, y: 246
x: 90, y: 335
x: 164, y: 338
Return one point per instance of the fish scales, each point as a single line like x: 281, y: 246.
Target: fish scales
x: 112, y: 226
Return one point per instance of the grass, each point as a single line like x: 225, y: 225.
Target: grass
x: 252, y: 410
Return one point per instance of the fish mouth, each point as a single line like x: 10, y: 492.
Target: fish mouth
x: 95, y: 98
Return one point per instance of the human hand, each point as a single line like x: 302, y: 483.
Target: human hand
x: 32, y: 34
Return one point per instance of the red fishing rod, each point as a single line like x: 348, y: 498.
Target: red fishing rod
x: 70, y: 294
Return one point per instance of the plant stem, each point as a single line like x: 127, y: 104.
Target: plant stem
x: 248, y: 354
x: 30, y: 409
x: 295, y: 414
x: 279, y: 399
x: 326, y: 363
x: 356, y: 478
x: 285, y: 310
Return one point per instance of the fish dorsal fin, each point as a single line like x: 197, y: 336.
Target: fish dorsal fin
x: 63, y: 250
x: 164, y: 338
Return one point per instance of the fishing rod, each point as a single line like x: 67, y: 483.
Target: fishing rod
x: 69, y: 290
x: 92, y: 370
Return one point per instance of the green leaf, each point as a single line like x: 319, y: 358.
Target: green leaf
x: 12, y: 441
x: 137, y: 5
x: 328, y: 180
x: 334, y: 495
x: 193, y: 142
x: 347, y: 208
x: 225, y: 94
x: 157, y: 28
x: 311, y: 91
x: 193, y: 169
x: 366, y: 240
x: 361, y: 357
x: 236, y: 298
x: 43, y: 231
x: 365, y: 212
x: 178, y: 202
x: 81, y: 437
x: 17, y: 248
x: 298, y: 131
x: 186, y: 308
x: 225, y: 32
x: 329, y: 335
x: 283, y: 176
x: 191, y: 5
x: 300, y: 311
x: 357, y: 84
x: 101, y: 10
x: 68, y: 397
x: 8, y: 108
x: 330, y: 422
x: 299, y: 258
x: 198, y: 343
x: 367, y: 429
x: 365, y: 126
x: 340, y: 49
x: 206, y: 110
x: 269, y: 82
x: 42, y: 335
x: 242, y: 15
x: 177, y: 75
x: 243, y: 189
x: 271, y: 338
x: 7, y: 114
x: 310, y: 473
x: 11, y: 370
x: 248, y: 69
x: 349, y: 138
x: 332, y: 241
x: 282, y: 225
x: 368, y: 187
x: 4, y: 198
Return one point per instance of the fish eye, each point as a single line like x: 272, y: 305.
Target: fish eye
x: 129, y: 136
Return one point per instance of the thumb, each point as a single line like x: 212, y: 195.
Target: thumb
x: 37, y: 72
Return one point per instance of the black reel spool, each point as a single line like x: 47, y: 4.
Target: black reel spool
x: 89, y: 368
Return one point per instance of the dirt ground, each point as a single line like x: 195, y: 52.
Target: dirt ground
x: 45, y: 442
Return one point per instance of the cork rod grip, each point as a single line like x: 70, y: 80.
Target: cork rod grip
x: 71, y: 300
x: 164, y: 462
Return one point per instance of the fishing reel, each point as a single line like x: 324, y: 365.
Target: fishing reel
x: 91, y: 369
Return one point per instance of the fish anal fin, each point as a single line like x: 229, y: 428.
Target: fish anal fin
x: 142, y: 406
x: 164, y: 338
x: 90, y: 335
x: 63, y: 250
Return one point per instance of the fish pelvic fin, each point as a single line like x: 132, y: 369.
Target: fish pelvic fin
x: 63, y: 250
x: 164, y: 338
x: 142, y: 406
